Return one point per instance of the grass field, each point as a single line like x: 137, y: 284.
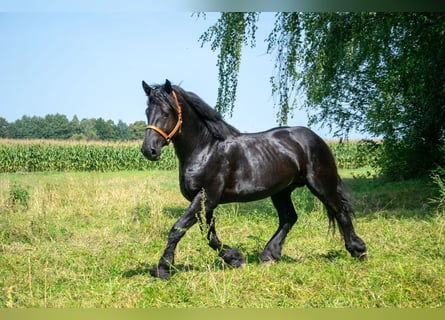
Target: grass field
x: 88, y: 239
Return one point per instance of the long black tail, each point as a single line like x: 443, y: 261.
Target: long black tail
x: 344, y: 203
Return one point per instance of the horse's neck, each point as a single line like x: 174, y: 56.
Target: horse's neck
x: 193, y: 137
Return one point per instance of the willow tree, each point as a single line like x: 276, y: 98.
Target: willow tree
x: 378, y: 73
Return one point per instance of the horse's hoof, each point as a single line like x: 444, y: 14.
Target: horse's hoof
x: 160, y: 273
x: 268, y: 258
x: 233, y: 257
x: 363, y: 256
x: 268, y: 263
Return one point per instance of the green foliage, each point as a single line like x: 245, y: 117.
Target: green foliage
x: 3, y: 127
x: 356, y: 154
x: 283, y: 41
x: 438, y: 180
x: 228, y: 35
x: 59, y: 127
x: 57, y: 156
x: 379, y: 73
x: 19, y: 197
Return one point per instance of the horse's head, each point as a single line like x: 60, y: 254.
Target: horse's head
x: 164, y: 118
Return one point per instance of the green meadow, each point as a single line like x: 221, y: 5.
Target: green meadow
x: 88, y: 239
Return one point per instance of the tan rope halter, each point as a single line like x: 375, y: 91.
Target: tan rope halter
x: 168, y: 137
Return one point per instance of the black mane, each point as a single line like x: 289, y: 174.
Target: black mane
x: 213, y: 120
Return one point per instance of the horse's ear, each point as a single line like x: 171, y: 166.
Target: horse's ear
x: 147, y: 88
x: 168, y: 86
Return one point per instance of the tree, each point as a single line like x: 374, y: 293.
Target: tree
x: 24, y: 128
x: 378, y: 73
x: 59, y: 127
x: 137, y: 130
x: 105, y: 129
x: 229, y: 34
x: 3, y: 127
x: 122, y: 131
x: 88, y: 129
x: 75, y: 127
x: 55, y: 127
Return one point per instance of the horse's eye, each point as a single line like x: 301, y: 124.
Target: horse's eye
x: 165, y: 114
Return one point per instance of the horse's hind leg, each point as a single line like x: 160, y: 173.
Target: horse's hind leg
x: 287, y: 218
x: 330, y: 189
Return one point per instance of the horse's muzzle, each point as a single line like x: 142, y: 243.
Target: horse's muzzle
x: 151, y: 153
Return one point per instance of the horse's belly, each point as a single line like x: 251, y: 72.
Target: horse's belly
x: 251, y: 190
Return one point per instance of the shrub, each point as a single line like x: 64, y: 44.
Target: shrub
x: 438, y: 176
x: 18, y: 197
x: 356, y: 154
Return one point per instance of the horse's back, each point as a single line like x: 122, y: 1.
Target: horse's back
x: 292, y: 137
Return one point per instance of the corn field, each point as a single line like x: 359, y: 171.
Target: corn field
x: 47, y: 155
x: 42, y: 155
x: 356, y: 154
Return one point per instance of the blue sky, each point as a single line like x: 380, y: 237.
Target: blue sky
x: 91, y: 64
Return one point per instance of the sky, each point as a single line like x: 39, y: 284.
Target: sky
x: 91, y: 64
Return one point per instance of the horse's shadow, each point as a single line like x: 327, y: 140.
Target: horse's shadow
x: 143, y: 269
x: 140, y: 270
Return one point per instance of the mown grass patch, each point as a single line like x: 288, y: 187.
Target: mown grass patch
x: 89, y: 239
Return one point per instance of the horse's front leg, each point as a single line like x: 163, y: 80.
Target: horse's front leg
x: 230, y: 255
x: 164, y: 268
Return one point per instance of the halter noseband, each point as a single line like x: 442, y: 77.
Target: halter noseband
x: 168, y: 137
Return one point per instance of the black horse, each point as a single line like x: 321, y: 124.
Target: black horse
x: 218, y: 164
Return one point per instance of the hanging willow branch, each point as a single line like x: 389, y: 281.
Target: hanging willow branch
x: 283, y: 41
x: 229, y: 34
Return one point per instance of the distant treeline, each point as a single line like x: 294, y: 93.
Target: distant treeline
x: 58, y: 126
